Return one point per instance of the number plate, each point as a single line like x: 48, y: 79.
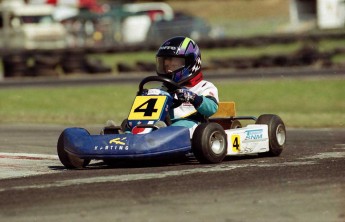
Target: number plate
x: 147, y: 108
x: 236, y: 143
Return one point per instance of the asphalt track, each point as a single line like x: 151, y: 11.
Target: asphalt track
x: 305, y: 183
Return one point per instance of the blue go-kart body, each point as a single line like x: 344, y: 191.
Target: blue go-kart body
x: 142, y: 138
x: 158, y: 143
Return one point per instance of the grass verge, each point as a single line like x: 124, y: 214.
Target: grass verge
x: 300, y: 102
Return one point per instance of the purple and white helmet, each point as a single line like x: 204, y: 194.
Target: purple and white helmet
x: 178, y: 59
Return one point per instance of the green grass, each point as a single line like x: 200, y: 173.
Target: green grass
x: 301, y: 102
x: 239, y: 17
x: 326, y: 45
x: 250, y: 51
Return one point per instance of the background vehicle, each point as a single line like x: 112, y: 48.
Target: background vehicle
x: 24, y: 26
x: 183, y: 25
x: 132, y: 23
x: 156, y: 22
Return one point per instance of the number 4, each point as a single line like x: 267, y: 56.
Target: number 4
x: 149, y: 109
x: 236, y: 143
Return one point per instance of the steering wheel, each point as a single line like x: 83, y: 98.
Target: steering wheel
x: 171, y: 85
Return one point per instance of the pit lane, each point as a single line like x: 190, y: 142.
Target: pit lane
x: 306, y: 183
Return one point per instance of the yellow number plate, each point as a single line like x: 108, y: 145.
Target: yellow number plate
x: 236, y: 143
x: 147, y: 108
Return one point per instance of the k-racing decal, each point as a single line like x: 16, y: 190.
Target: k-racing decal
x: 117, y: 141
x: 120, y: 144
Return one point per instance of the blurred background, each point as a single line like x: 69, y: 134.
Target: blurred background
x: 64, y: 37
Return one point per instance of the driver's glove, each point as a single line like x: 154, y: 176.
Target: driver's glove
x: 186, y: 96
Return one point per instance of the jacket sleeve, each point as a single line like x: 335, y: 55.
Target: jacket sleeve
x: 208, y: 107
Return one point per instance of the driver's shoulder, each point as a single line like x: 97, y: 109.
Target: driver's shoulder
x: 203, y: 85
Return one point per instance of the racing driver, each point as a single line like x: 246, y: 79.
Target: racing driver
x: 179, y: 59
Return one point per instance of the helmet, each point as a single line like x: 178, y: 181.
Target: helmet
x: 178, y: 59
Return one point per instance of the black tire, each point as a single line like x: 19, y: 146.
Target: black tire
x: 209, y: 143
x: 276, y: 133
x: 46, y: 64
x: 235, y: 124
x: 68, y: 160
x: 15, y: 64
x: 96, y: 66
x: 74, y: 61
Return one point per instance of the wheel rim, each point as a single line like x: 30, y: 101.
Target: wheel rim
x: 217, y: 143
x: 280, y: 134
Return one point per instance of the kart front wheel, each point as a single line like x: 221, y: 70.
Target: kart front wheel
x: 68, y: 160
x: 209, y: 143
x: 276, y: 133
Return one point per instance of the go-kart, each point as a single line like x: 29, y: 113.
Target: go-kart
x: 148, y: 134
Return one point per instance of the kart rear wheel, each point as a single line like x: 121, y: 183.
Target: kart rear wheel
x: 235, y: 124
x: 209, y: 143
x: 276, y: 133
x: 68, y: 160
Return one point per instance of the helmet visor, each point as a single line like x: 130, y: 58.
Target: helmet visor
x: 168, y: 65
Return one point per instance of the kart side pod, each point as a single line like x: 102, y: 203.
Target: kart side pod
x: 77, y: 143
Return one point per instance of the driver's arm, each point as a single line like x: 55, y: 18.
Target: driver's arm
x: 205, y: 105
x: 208, y: 106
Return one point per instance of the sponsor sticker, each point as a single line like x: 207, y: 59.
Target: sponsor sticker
x: 114, y: 144
x: 254, y: 134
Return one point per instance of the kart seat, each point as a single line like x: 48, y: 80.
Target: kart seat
x: 225, y: 109
x: 224, y: 115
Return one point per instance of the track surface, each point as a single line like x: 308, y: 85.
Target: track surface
x: 306, y: 183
